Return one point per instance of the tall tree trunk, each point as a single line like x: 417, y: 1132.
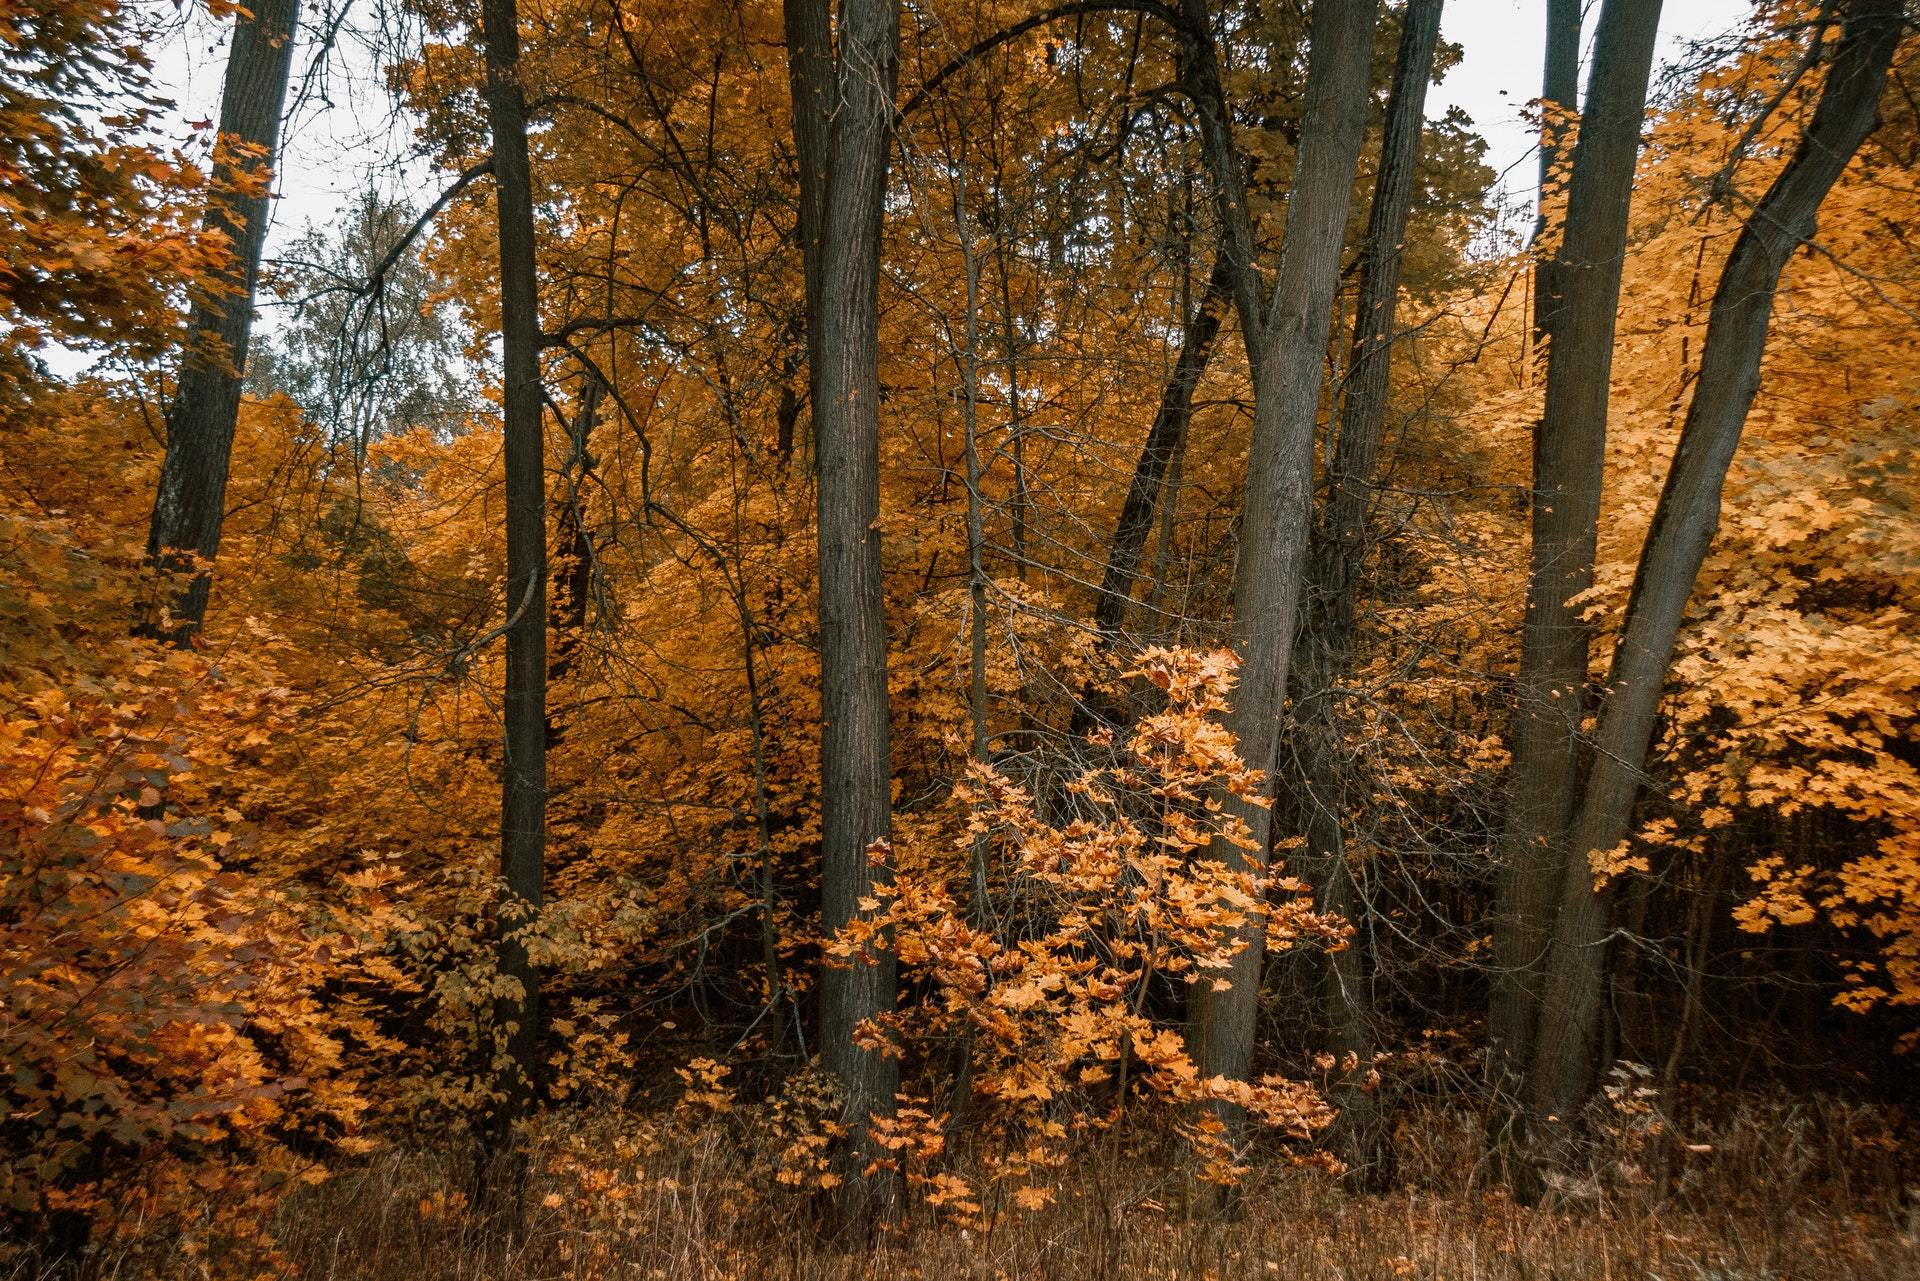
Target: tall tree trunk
x: 969, y: 360
x: 1683, y: 527
x: 1559, y: 94
x: 1286, y: 339
x: 190, y: 505
x: 1569, y: 454
x: 1337, y: 552
x: 523, y: 775
x: 843, y: 336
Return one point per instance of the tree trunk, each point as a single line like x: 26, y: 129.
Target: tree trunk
x: 843, y: 335
x: 523, y: 775
x: 1559, y: 93
x: 573, y: 593
x: 1683, y: 527
x: 1337, y: 552
x: 190, y: 505
x: 810, y: 80
x: 1569, y: 456
x: 1165, y: 438
x: 1286, y: 339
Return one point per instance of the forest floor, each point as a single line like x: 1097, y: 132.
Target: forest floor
x: 1780, y: 1195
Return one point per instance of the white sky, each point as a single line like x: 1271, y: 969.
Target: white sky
x: 1505, y: 42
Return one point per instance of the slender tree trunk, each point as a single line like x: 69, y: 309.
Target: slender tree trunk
x: 190, y: 505
x: 843, y: 334
x: 573, y: 593
x: 1286, y: 339
x: 1683, y: 527
x: 1569, y: 455
x: 810, y: 79
x: 1337, y: 552
x: 1559, y: 94
x: 1165, y: 438
x: 523, y: 775
x: 976, y: 539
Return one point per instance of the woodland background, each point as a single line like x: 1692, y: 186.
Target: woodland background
x: 995, y: 639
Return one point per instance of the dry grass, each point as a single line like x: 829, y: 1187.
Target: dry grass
x: 1787, y: 1192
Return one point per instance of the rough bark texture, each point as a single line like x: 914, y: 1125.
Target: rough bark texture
x: 190, y: 504
x: 1323, y: 653
x: 1569, y: 454
x: 1683, y: 527
x: 1286, y: 338
x: 523, y: 774
x: 843, y: 338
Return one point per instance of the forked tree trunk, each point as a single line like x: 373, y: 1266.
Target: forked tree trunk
x: 190, y: 505
x: 523, y: 773
x: 1286, y: 337
x: 1337, y: 552
x: 1683, y: 527
x: 1569, y: 455
x: 855, y: 114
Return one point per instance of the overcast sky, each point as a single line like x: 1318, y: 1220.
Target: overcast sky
x: 1505, y: 41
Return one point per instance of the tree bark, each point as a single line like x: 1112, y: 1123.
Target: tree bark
x: 190, y: 504
x: 810, y: 80
x: 1165, y: 438
x: 1569, y: 455
x: 1336, y: 554
x: 1684, y: 524
x: 523, y: 775
x: 843, y: 336
x: 1559, y: 93
x: 1286, y: 336
x: 573, y: 594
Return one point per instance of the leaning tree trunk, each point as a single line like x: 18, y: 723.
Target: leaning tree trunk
x: 1569, y: 455
x: 1325, y: 648
x: 1683, y: 527
x: 1286, y: 340
x: 843, y: 327
x: 1166, y: 439
x: 523, y: 775
x: 190, y: 505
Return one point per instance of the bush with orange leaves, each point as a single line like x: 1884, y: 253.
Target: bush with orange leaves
x: 1061, y: 991
x: 175, y: 1024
